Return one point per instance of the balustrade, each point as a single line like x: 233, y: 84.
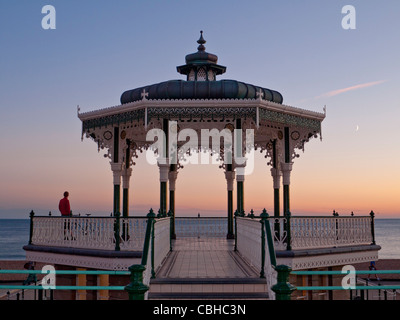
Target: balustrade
x: 128, y: 233
x: 321, y: 232
x: 89, y: 232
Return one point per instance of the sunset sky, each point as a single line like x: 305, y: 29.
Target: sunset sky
x: 100, y: 49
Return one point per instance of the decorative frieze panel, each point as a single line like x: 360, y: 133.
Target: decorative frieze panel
x: 287, y: 119
x: 114, y: 119
x: 200, y: 113
x: 267, y: 119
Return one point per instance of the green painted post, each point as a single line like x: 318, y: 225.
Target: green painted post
x: 163, y: 197
x: 171, y: 229
x: 263, y: 216
x: 171, y: 212
x: 240, y: 196
x: 31, y: 226
x: 283, y: 289
x: 230, y: 215
x: 286, y: 189
x: 336, y: 214
x: 125, y: 202
x: 117, y: 198
x: 150, y: 220
x: 236, y: 215
x: 372, y: 214
x: 125, y: 191
x: 288, y: 231
x: 270, y: 240
x: 117, y: 231
x: 136, y: 288
x: 153, y: 273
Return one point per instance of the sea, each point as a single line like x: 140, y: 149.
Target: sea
x: 14, y: 234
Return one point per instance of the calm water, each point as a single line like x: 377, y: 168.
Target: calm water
x: 14, y: 234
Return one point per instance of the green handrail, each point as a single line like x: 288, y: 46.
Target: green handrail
x: 31, y: 287
x: 270, y: 240
x: 87, y: 272
x: 284, y: 289
x: 136, y: 288
x: 327, y: 272
x: 63, y: 272
x: 389, y: 287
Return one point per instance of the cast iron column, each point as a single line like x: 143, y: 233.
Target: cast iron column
x: 173, y: 174
x: 240, y: 188
x: 126, y: 175
x: 286, y: 168
x: 230, y: 177
x: 116, y: 167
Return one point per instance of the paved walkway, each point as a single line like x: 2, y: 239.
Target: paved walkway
x: 205, y: 258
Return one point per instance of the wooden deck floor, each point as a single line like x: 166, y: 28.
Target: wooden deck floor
x: 205, y: 258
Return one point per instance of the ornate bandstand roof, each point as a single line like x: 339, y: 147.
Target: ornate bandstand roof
x: 223, y: 89
x: 201, y: 69
x: 200, y: 102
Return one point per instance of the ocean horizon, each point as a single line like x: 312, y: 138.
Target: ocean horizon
x: 14, y: 234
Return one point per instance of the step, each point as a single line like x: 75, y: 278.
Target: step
x: 208, y: 296
x: 208, y: 288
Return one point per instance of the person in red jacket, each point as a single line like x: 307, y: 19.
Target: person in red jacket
x: 64, y: 205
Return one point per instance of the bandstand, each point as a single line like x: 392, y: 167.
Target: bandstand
x: 227, y: 118
x: 206, y: 108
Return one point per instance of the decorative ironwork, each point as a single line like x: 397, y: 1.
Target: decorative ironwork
x: 88, y: 232
x: 115, y: 119
x: 201, y: 113
x: 322, y: 232
x: 289, y: 119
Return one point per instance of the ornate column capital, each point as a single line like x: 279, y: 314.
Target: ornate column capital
x: 276, y: 175
x: 163, y: 164
x: 230, y: 177
x: 286, y: 170
x: 116, y: 168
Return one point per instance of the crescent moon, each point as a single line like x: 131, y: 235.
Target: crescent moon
x: 357, y: 128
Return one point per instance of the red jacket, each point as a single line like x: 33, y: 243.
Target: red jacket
x: 64, y: 207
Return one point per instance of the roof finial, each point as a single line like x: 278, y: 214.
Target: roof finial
x: 201, y: 42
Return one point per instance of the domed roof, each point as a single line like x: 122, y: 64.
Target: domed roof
x: 201, y: 55
x: 208, y: 88
x: 180, y: 89
x: 201, y: 58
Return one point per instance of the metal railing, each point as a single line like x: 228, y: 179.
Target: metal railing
x: 284, y: 288
x: 155, y: 249
x: 256, y: 239
x: 305, y: 232
x: 254, y: 242
x: 128, y: 233
x: 156, y: 246
x: 20, y: 289
x: 106, y: 233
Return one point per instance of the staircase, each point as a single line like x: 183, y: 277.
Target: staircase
x: 203, y: 269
